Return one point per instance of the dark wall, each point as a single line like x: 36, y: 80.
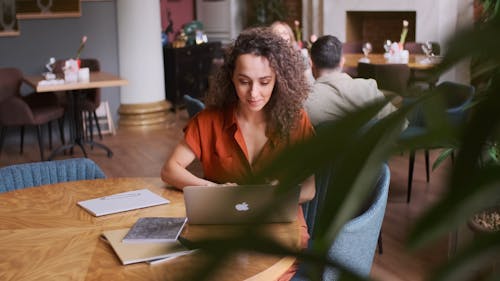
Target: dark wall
x: 41, y: 39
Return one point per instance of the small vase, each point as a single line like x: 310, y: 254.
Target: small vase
x: 71, y: 70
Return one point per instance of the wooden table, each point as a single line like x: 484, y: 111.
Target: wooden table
x: 414, y: 62
x: 45, y: 235
x: 97, y: 79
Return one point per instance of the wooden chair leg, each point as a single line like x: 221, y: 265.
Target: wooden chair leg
x: 21, y: 148
x: 40, y: 141
x: 97, y: 125
x: 410, y: 175
x: 427, y: 172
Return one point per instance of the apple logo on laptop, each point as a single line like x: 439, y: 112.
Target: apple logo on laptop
x: 242, y: 207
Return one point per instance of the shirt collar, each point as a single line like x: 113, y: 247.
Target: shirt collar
x: 231, y: 125
x: 230, y: 117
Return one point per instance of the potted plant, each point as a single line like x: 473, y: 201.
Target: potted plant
x: 486, y: 221
x: 263, y: 12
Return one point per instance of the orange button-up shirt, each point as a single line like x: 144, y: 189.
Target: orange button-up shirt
x: 215, y: 138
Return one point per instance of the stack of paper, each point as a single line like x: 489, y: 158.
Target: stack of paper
x: 142, y: 252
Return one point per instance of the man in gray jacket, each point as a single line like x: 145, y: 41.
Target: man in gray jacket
x: 335, y: 93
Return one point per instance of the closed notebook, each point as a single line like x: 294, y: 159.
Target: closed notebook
x: 121, y: 202
x: 155, y: 229
x: 142, y: 252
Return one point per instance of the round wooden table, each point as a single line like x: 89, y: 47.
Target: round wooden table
x: 414, y: 62
x: 45, y: 235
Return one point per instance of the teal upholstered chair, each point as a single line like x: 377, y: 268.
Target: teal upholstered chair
x: 40, y: 173
x: 457, y: 98
x: 355, y: 244
x: 193, y: 105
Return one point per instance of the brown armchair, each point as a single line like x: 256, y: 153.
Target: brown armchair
x: 16, y: 110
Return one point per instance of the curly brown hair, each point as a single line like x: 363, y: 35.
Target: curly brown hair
x: 291, y: 87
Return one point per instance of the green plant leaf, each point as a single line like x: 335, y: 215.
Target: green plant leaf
x: 442, y: 157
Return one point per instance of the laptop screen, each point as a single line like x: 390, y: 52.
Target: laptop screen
x: 240, y: 204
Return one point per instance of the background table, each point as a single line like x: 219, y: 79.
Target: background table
x: 98, y: 79
x: 45, y: 235
x: 414, y: 61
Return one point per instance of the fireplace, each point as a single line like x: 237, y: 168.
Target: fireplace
x: 377, y: 26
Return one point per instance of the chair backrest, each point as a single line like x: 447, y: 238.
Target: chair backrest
x: 392, y: 76
x: 193, y: 105
x: 48, y: 172
x: 355, y: 244
x: 414, y: 48
x: 457, y: 96
x: 352, y: 47
x: 13, y: 109
x: 10, y: 82
x: 92, y: 96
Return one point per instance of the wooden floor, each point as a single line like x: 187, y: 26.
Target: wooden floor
x: 141, y: 153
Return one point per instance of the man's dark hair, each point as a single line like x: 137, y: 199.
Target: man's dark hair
x: 326, y: 52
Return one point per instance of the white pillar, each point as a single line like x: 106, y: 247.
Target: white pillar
x: 141, y: 63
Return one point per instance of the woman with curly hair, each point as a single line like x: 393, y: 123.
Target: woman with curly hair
x: 254, y: 111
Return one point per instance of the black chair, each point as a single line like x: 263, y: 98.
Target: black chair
x: 457, y: 98
x: 16, y: 112
x: 193, y: 105
x: 392, y: 77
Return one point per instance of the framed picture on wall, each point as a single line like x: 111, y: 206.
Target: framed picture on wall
x: 32, y: 9
x: 8, y: 20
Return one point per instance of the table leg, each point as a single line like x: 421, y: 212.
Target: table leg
x: 75, y: 99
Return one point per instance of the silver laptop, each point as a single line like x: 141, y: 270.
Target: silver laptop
x: 240, y: 204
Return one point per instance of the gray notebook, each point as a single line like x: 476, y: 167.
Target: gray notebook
x: 155, y: 229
